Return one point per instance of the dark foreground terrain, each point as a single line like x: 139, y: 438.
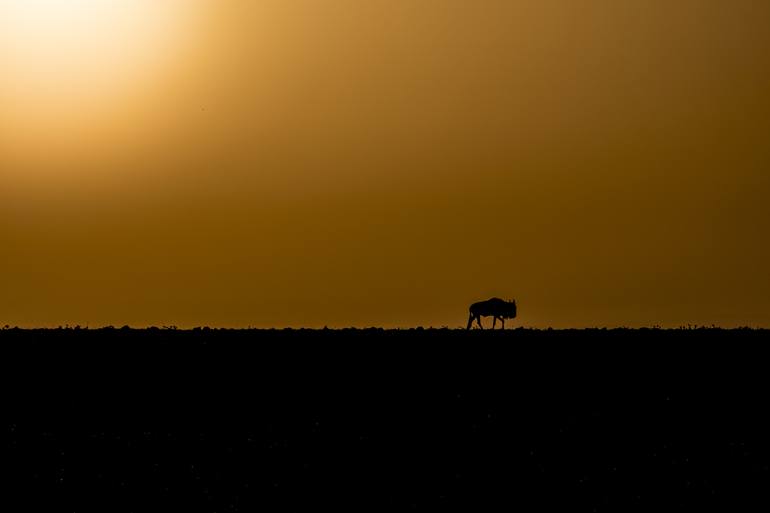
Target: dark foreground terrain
x: 204, y: 420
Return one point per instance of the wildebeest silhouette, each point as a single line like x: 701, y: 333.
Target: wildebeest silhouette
x: 495, y: 307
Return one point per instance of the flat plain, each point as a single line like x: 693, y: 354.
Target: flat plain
x: 239, y: 420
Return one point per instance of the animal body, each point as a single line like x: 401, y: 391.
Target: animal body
x: 495, y: 307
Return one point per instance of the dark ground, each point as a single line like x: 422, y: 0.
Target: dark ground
x: 121, y: 420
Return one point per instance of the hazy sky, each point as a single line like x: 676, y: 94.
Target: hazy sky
x: 385, y: 162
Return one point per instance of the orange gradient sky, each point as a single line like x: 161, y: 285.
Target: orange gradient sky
x: 384, y: 163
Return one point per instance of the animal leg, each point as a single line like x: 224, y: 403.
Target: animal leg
x: 470, y: 321
x: 494, y: 322
x: 478, y: 321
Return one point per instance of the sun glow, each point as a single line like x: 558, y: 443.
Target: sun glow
x: 64, y: 59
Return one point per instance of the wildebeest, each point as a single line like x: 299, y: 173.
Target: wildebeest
x: 495, y: 307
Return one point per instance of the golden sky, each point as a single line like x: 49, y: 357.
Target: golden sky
x: 384, y: 162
